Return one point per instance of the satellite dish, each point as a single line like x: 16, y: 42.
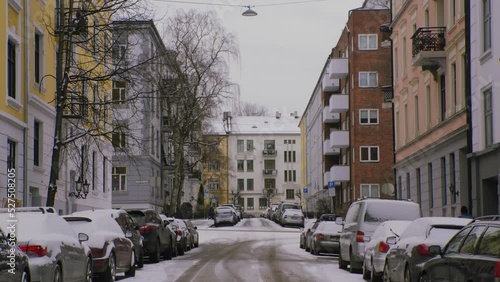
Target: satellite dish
x: 387, y: 188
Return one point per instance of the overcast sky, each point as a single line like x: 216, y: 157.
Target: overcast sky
x: 282, y: 50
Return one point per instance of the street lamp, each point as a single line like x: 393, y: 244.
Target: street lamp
x: 249, y: 12
x: 82, y: 189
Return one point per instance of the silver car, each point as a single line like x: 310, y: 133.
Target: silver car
x: 292, y: 217
x: 225, y: 215
x: 325, y: 238
x: 56, y: 253
x: 376, y: 248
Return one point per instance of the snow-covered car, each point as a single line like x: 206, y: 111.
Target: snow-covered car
x: 405, y: 260
x: 56, y: 252
x: 281, y: 209
x: 127, y: 226
x: 111, y: 251
x: 19, y: 271
x: 325, y: 238
x: 183, y: 236
x: 304, y: 232
x: 173, y: 233
x: 292, y: 217
x: 238, y: 212
x: 225, y: 215
x: 193, y: 230
x: 376, y: 247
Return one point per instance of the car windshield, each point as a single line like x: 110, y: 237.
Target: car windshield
x: 442, y: 233
x: 380, y: 211
x: 329, y: 227
x: 290, y: 206
x: 224, y: 211
x: 139, y: 218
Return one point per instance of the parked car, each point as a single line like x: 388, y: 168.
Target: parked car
x: 20, y: 266
x: 308, y: 236
x: 127, y: 225
x: 326, y: 237
x: 180, y: 229
x: 157, y: 236
x: 376, y: 247
x: 362, y: 218
x: 473, y: 254
x: 404, y: 260
x: 193, y: 231
x: 55, y: 251
x: 238, y: 212
x: 272, y: 214
x: 281, y: 209
x: 112, y: 251
x: 173, y: 234
x: 303, y: 233
x: 225, y: 215
x: 292, y: 217
x: 328, y: 217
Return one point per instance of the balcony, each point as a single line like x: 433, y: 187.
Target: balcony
x: 339, y: 139
x: 428, y: 48
x: 330, y: 84
x: 269, y: 172
x: 338, y: 68
x: 329, y: 117
x: 339, y: 103
x: 340, y: 173
x: 269, y: 153
x: 328, y: 150
x: 388, y: 93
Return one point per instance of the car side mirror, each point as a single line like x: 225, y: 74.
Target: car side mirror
x: 82, y: 237
x: 339, y: 221
x: 128, y: 234
x: 392, y: 240
x: 435, y: 250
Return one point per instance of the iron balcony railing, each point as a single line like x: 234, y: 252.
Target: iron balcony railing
x: 428, y: 39
x: 269, y: 152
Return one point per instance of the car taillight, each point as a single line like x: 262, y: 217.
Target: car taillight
x: 34, y: 250
x: 360, y: 237
x: 145, y: 229
x: 308, y: 231
x: 321, y: 237
x: 423, y: 250
x: 284, y: 216
x: 383, y: 247
x: 97, y: 252
x: 178, y: 232
x: 497, y: 270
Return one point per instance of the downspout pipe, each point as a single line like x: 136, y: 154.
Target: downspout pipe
x: 468, y: 99
x: 26, y: 43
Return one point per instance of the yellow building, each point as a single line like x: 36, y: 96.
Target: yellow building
x: 215, y: 175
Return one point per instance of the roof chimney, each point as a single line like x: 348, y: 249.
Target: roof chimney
x: 278, y: 115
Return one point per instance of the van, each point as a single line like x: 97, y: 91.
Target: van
x: 361, y: 220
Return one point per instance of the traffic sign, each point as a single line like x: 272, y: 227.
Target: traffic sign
x: 305, y: 190
x: 206, y: 191
x: 213, y: 197
x: 331, y: 184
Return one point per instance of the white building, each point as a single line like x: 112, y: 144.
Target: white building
x: 485, y: 86
x: 264, y: 154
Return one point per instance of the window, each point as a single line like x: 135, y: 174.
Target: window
x: 406, y: 122
x: 36, y: 143
x: 368, y: 154
x: 95, y: 38
x: 11, y: 70
x: 367, y: 42
x: 370, y: 190
x: 94, y: 169
x: 241, y: 165
x: 269, y: 144
x: 213, y: 166
x: 11, y: 154
x: 250, y: 203
x: 38, y: 53
x: 444, y: 184
x: 118, y: 139
x: 368, y: 116
x: 489, y: 245
x: 249, y: 165
x: 470, y: 241
x: 486, y: 25
x: 426, y: 17
x: 119, y: 179
x: 400, y: 187
x: 241, y: 184
x: 453, y: 178
x: 428, y: 103
x: 269, y: 183
x: 454, y: 243
x: 368, y: 79
x: 250, y: 184
x: 454, y: 87
x: 290, y: 175
x: 95, y: 100
x: 408, y: 186
x: 396, y: 64
x: 249, y: 145
x: 419, y: 186
x: 290, y: 195
x: 119, y: 93
x: 262, y: 203
x: 430, y: 183
x: 152, y: 141
x: 240, y: 146
x: 488, y: 118
x: 404, y: 57
x: 290, y: 156
x: 442, y: 84
x: 104, y: 174
x: 213, y: 184
x: 269, y: 164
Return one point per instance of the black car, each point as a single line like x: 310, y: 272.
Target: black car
x: 473, y: 254
x: 14, y: 264
x: 157, y: 236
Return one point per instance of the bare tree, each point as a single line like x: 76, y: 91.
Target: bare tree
x: 83, y: 33
x: 250, y: 109
x: 196, y: 83
x: 269, y: 193
x: 234, y: 197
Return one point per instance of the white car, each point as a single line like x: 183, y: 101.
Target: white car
x: 56, y: 253
x: 292, y: 217
x: 225, y: 215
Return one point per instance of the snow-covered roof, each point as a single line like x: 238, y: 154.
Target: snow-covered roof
x: 265, y: 125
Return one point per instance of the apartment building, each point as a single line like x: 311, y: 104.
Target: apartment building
x: 264, y: 163
x: 138, y: 180
x: 429, y: 44
x: 348, y: 122
x: 485, y: 107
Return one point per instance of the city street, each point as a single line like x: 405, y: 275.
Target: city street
x: 254, y: 250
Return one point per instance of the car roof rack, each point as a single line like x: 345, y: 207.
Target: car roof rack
x: 487, y: 218
x: 29, y: 209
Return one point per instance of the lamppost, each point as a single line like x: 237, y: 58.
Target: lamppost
x: 82, y: 189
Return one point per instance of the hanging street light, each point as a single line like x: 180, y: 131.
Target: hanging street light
x: 249, y: 12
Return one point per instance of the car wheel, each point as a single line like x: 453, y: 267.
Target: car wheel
x: 353, y: 268
x: 374, y: 277
x: 174, y: 250
x: 88, y: 271
x: 169, y: 252
x: 110, y: 274
x: 342, y: 263
x: 425, y: 277
x: 386, y: 277
x: 366, y: 273
x: 154, y: 257
x: 140, y: 260
x: 58, y: 274
x: 180, y: 250
x: 407, y: 274
x: 131, y: 271
x: 197, y: 242
x: 25, y: 277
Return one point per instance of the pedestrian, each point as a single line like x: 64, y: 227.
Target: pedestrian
x: 211, y: 212
x: 464, y: 213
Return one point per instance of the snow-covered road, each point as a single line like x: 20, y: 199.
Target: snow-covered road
x: 255, y: 250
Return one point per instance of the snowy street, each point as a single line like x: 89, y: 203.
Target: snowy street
x: 254, y: 250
